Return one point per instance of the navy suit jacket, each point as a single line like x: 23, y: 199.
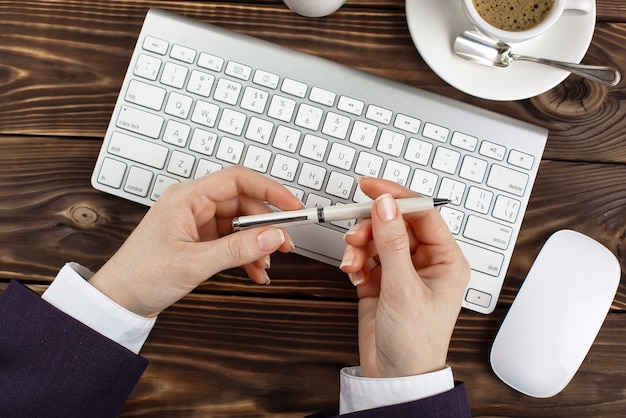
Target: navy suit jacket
x: 52, y: 365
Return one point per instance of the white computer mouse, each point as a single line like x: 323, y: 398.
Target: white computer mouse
x: 314, y: 8
x: 556, y: 315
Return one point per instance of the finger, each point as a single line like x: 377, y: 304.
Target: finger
x: 239, y: 249
x: 392, y: 241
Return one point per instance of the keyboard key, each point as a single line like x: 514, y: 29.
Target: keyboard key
x: 478, y: 298
x: 259, y: 130
x: 284, y: 167
x: 314, y: 147
x: 397, y: 172
x: 176, y: 133
x: 254, y: 100
x: 232, y: 122
x: 140, y: 122
x: 435, y: 132
x: 350, y: 105
x: 230, y: 150
x: 227, y: 91
x: 407, y: 123
x: 237, y: 70
x: 363, y: 134
x: 506, y: 208
x: 507, y: 180
x: 453, y: 218
x: 112, y: 173
x: 138, y: 181
x: 481, y: 259
x: 174, y: 75
x: 521, y: 159
x: 161, y: 183
x: 257, y: 159
x: 178, y: 105
x: 341, y: 156
x: 147, y: 67
x: 463, y: 141
x: 182, y: 53
x: 309, y: 117
x: 336, y: 125
x: 293, y: 87
x: 210, y: 62
x: 321, y: 96
x: 339, y: 185
x: 418, y: 151
x: 488, y: 232
x: 491, y: 150
x: 206, y: 167
x: 424, y: 182
x: 181, y: 164
x: 145, y: 95
x: 446, y: 160
x: 312, y: 176
x: 205, y: 113
x: 265, y: 79
x: 379, y: 114
x: 286, y: 139
x: 200, y: 83
x: 281, y: 108
x: 158, y: 46
x: 138, y: 150
x: 453, y: 190
x: 473, y: 169
x: 478, y: 200
x: 203, y: 141
x: 391, y: 142
x: 368, y: 164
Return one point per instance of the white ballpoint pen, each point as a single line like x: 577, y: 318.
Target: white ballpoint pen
x: 330, y: 213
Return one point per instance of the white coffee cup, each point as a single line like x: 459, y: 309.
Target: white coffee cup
x: 558, y: 8
x: 314, y: 8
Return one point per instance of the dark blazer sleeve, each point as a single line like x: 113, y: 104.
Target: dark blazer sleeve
x: 52, y: 365
x: 451, y: 404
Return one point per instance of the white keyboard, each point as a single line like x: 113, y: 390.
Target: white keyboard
x: 197, y: 98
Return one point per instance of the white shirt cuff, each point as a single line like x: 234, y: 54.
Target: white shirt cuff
x: 360, y: 393
x: 71, y: 293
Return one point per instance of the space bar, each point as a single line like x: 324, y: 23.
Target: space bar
x: 318, y: 242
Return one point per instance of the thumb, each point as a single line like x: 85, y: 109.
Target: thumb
x: 392, y: 240
x: 244, y: 247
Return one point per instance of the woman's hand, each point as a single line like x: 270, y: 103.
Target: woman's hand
x: 186, y: 238
x: 411, y: 277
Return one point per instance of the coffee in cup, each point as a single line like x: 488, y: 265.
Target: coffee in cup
x: 519, y: 20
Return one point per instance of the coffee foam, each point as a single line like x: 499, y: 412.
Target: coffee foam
x: 513, y: 15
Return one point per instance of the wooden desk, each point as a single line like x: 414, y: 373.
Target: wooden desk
x: 235, y: 349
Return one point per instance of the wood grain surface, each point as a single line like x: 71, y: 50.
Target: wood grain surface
x: 234, y: 349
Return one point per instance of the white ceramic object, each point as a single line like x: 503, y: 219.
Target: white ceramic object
x: 314, y: 8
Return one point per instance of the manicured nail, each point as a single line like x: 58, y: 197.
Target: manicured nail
x: 352, y: 231
x: 267, y: 260
x: 270, y: 239
x: 356, y: 278
x: 386, y: 207
x: 267, y: 279
x: 349, y: 256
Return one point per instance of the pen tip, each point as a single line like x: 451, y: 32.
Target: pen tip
x: 440, y: 202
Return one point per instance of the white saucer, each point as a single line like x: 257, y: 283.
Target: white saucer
x: 434, y: 24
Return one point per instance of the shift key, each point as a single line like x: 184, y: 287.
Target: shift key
x: 137, y: 150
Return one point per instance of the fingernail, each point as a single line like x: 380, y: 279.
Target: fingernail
x: 356, y: 278
x: 348, y: 257
x: 267, y: 260
x: 352, y: 231
x: 386, y: 208
x: 270, y: 239
x: 267, y: 279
